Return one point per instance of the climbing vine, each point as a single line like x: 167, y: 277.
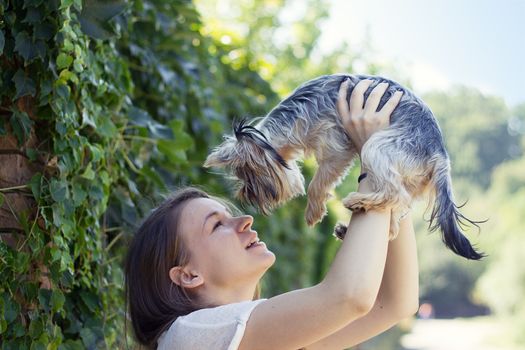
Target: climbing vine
x: 105, y: 106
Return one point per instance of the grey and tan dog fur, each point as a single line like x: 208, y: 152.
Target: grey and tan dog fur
x: 404, y: 162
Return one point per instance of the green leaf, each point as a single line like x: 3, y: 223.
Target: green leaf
x: 89, y: 338
x: 95, y: 16
x: 33, y: 15
x: 58, y: 189
x: 2, y: 41
x: 21, y: 125
x: 44, y: 296
x: 2, y: 198
x: 32, y: 154
x: 66, y: 75
x: 34, y: 3
x: 106, y: 127
x: 139, y: 117
x: 88, y: 173
x: 21, y: 262
x: 57, y: 300
x: 79, y: 195
x: 43, y: 30
x: 90, y: 299
x: 171, y: 151
x: 23, y: 84
x: 64, y: 61
x: 11, y: 309
x: 160, y: 131
x: 36, y: 327
x: 35, y: 184
x: 28, y: 48
x: 65, y: 4
x: 71, y: 345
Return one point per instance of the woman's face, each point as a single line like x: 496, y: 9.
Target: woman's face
x: 218, y: 243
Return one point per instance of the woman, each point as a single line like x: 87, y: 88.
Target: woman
x: 193, y: 269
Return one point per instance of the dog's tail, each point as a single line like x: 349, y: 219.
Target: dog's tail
x: 446, y: 216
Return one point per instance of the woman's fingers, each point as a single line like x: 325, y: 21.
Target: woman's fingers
x: 375, y: 97
x: 392, y: 103
x: 342, y: 104
x: 358, y: 97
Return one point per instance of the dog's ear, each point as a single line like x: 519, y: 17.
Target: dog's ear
x: 222, y: 155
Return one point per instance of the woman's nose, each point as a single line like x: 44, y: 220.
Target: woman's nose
x: 245, y: 222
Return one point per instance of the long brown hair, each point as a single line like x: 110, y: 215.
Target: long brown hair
x: 153, y: 300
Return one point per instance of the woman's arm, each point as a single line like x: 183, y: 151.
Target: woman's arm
x: 301, y: 317
x: 397, y: 299
x: 350, y: 288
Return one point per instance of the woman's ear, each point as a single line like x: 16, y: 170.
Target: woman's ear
x: 185, y: 278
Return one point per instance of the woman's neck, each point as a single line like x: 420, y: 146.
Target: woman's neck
x: 215, y: 295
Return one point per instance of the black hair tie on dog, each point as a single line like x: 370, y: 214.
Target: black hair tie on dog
x: 361, y: 177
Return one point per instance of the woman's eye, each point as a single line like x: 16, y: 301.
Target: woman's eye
x: 217, y: 225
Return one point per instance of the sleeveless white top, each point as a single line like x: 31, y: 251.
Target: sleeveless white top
x: 218, y: 328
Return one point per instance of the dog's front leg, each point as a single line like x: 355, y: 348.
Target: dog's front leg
x: 328, y: 175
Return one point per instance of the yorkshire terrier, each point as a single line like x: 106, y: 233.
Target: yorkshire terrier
x: 403, y: 162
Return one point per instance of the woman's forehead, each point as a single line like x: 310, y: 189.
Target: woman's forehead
x: 203, y: 206
x: 198, y: 209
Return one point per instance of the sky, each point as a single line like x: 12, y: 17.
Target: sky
x: 437, y: 44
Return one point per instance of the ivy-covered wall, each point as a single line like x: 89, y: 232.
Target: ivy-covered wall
x: 105, y: 106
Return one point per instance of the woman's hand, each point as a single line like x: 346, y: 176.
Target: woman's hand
x: 361, y: 122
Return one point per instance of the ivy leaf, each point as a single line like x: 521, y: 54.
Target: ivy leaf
x: 35, y: 184
x: 24, y: 85
x: 160, y: 131
x: 71, y: 345
x: 58, y: 189
x: 79, y: 195
x: 21, y: 125
x: 139, y: 117
x: 2, y: 41
x: 57, y: 300
x: 44, y: 295
x: 33, y: 15
x: 28, y: 48
x: 11, y: 310
x: 2, y: 198
x: 88, y: 173
x: 43, y: 30
x: 95, y: 15
x: 90, y: 299
x: 64, y: 61
x: 106, y: 127
x: 171, y: 150
x: 89, y: 338
x: 33, y: 3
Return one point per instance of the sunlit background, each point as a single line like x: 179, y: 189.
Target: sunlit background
x: 464, y: 58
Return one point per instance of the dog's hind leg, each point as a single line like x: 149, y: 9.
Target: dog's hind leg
x: 382, y: 159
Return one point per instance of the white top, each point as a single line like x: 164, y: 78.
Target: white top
x: 220, y: 328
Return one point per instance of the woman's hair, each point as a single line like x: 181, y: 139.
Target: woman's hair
x: 154, y: 301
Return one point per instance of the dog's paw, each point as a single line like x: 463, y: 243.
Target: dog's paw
x: 340, y: 231
x: 354, y: 201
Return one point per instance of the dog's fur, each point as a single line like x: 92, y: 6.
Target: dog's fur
x: 404, y: 161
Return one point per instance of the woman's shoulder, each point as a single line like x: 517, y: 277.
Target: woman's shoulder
x: 210, y: 328
x: 225, y: 313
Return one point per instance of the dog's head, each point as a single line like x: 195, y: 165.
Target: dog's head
x: 265, y: 179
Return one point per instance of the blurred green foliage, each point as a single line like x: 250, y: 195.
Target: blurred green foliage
x: 484, y: 138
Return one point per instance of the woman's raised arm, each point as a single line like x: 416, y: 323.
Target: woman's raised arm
x: 296, y: 319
